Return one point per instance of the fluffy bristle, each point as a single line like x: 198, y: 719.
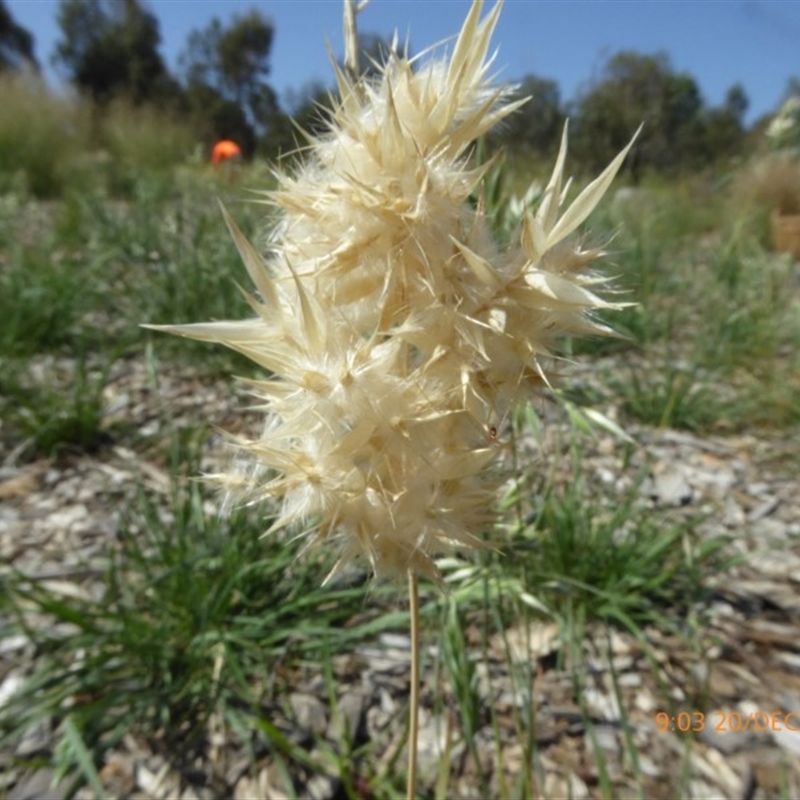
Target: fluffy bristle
x: 395, y: 329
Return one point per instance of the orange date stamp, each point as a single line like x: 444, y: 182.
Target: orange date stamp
x: 727, y: 721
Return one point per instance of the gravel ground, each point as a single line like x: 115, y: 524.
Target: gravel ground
x: 742, y: 666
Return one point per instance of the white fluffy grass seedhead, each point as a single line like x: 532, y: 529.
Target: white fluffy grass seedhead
x: 395, y: 331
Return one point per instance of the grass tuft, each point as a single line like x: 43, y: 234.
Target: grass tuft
x: 196, y: 614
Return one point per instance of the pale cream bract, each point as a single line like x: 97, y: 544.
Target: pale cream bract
x: 396, y: 332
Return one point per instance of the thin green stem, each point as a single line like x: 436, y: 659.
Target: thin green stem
x: 413, y: 709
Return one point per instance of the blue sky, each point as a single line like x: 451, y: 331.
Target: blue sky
x: 719, y: 42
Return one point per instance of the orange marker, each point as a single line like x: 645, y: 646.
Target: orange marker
x: 225, y: 150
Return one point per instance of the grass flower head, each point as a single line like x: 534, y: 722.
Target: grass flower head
x: 395, y: 331
x: 783, y: 130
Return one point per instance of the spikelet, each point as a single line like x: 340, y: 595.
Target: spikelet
x: 394, y: 329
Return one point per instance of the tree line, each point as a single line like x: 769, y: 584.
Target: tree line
x: 109, y: 49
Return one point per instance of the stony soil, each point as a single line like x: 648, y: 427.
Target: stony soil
x: 739, y: 665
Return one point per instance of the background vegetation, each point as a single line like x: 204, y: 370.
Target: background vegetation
x: 109, y: 53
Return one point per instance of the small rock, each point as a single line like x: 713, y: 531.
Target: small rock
x: 11, y: 684
x: 603, y: 705
x: 648, y: 767
x: 322, y: 787
x: 572, y: 786
x: 787, y: 740
x: 726, y: 741
x: 36, y: 786
x: 246, y: 788
x: 606, y: 737
x: 69, y: 516
x: 630, y: 680
x: 732, y: 515
x: 763, y: 509
x: 537, y: 641
x: 769, y: 531
x: 702, y: 790
x: 309, y: 712
x: 790, y: 660
x: 148, y: 781
x: 645, y: 702
x: 722, y: 772
x: 351, y: 716
x: 669, y: 486
x: 37, y: 739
